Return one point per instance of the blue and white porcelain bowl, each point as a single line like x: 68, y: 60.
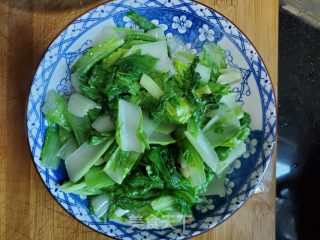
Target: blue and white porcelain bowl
x: 194, y: 24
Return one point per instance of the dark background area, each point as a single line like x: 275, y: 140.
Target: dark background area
x: 298, y: 163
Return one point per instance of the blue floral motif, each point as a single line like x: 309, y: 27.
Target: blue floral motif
x: 235, y: 166
x: 205, y: 205
x: 181, y: 23
x: 229, y: 185
x: 162, y: 25
x: 206, y: 33
x: 65, y: 88
x: 251, y: 147
x: 129, y: 23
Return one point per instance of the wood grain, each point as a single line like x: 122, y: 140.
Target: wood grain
x: 27, y: 211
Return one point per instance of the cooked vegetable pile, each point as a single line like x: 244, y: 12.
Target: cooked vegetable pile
x: 149, y: 126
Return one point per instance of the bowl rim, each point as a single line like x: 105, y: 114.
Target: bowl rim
x: 271, y: 157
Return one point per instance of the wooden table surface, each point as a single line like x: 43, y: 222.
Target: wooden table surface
x: 27, y: 211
